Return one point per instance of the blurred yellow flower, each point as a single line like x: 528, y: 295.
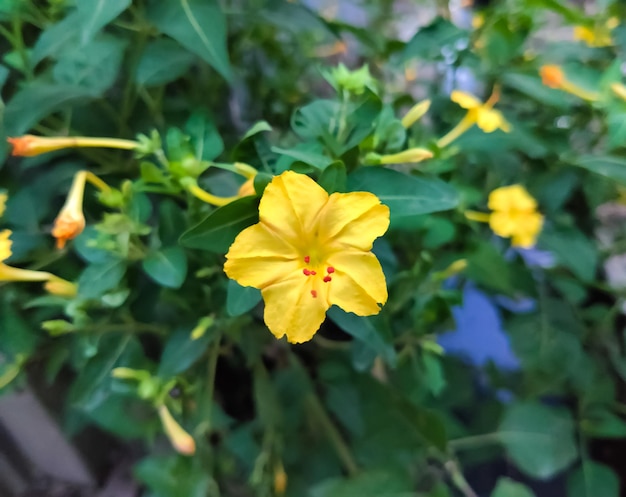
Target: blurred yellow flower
x: 598, y: 35
x: 619, y: 90
x: 514, y: 215
x: 481, y: 114
x: 310, y: 251
x: 8, y: 273
x: 31, y: 145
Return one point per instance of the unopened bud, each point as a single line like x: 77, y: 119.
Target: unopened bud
x: 182, y: 441
x: 416, y: 113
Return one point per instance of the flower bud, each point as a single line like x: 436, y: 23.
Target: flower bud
x: 182, y: 441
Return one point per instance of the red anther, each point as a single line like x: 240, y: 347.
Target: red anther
x: 330, y: 270
x: 313, y: 273
x: 307, y: 259
x: 327, y: 279
x: 314, y: 294
x: 306, y: 272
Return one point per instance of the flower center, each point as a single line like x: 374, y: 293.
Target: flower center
x: 316, y: 269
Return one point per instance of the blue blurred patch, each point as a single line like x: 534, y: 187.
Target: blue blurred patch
x: 479, y: 336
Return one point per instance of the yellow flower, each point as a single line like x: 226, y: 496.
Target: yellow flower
x: 310, y: 251
x: 481, y: 114
x: 514, y: 215
x: 3, y: 203
x: 597, y: 36
x: 182, y: 441
x: 31, y: 145
x: 8, y: 273
x: 71, y: 221
x: 553, y: 77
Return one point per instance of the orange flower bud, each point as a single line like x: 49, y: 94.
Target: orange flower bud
x: 182, y: 441
x: 31, y: 145
x: 67, y: 226
x: 247, y: 189
x: 552, y: 76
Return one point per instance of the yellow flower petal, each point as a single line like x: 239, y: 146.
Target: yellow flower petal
x: 290, y: 204
x: 258, y: 257
x: 358, y: 283
x: 489, y: 120
x: 353, y: 219
x: 502, y: 224
x: 5, y: 245
x: 528, y: 230
x: 292, y: 309
x: 465, y: 100
x: 511, y: 197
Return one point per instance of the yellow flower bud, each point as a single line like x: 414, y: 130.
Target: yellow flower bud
x: 61, y: 287
x: 280, y: 479
x: 31, y: 145
x: 416, y: 113
x: 411, y: 155
x: 182, y: 441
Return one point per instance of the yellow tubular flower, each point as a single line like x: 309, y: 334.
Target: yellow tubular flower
x: 481, y: 114
x: 310, y: 251
x: 280, y: 479
x: 514, y: 215
x: 71, y: 221
x: 31, y: 145
x: 182, y: 441
x: 553, y: 76
x: 8, y: 273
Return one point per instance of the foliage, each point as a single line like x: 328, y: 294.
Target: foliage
x: 201, y: 105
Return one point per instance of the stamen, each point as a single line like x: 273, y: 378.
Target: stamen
x: 306, y: 272
x: 307, y: 259
x: 330, y: 270
x: 327, y: 279
x: 314, y: 294
x: 313, y: 273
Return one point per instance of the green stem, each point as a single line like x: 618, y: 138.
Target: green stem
x: 342, y: 449
x: 214, y: 354
x: 20, y: 48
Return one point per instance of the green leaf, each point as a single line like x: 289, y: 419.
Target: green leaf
x: 334, y: 178
x: 616, y: 122
x: 206, y: 140
x: 16, y: 336
x: 240, y: 299
x: 573, y: 250
x: 593, y: 480
x: 95, y: 14
x: 37, y: 100
x: 532, y: 87
x: 168, y: 266
x: 426, y: 423
x: 363, y: 329
x: 313, y: 158
x: 181, y: 352
x: 406, y: 196
x: 218, y: 230
x: 539, y: 439
x: 93, y: 384
x: 93, y: 66
x: 99, y: 278
x: 509, y: 488
x: 606, y: 165
x: 171, y: 222
x: 198, y: 25
x: 162, y: 61
x: 55, y: 38
x: 488, y: 267
x: 373, y: 483
x: 428, y: 41
x: 173, y: 476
